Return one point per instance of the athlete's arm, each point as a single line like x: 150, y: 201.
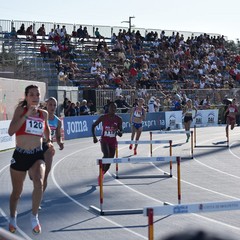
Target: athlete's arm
x: 59, y: 136
x: 17, y: 121
x: 100, y: 119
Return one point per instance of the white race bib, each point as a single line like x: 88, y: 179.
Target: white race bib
x: 34, y: 126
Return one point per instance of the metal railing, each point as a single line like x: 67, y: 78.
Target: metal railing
x: 106, y: 31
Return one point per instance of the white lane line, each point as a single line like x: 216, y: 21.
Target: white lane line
x: 6, y: 217
x: 81, y: 205
x: 19, y: 230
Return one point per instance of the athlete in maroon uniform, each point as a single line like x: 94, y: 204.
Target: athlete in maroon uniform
x: 111, y: 127
x: 231, y: 113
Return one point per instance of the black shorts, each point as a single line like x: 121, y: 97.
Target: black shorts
x: 187, y: 119
x: 45, y: 147
x: 23, y: 160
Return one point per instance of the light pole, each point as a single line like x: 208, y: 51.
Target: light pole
x: 129, y: 22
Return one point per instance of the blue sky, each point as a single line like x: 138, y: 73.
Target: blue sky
x: 210, y: 16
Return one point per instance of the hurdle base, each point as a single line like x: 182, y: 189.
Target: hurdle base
x: 211, y: 146
x: 115, y: 212
x: 165, y: 175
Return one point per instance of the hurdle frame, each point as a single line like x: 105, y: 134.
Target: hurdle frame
x: 100, y: 162
x: 174, y: 132
x: 165, y: 175
x: 195, y: 140
x: 184, y: 209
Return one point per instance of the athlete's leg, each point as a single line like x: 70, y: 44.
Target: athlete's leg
x: 138, y: 134
x: 132, y: 135
x: 17, y: 178
x: 106, y: 154
x: 37, y: 173
x: 48, y: 158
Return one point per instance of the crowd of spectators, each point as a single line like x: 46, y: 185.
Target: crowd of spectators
x: 133, y: 61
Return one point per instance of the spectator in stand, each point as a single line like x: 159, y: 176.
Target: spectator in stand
x: 84, y: 109
x: 21, y: 30
x: 133, y: 75
x: 13, y: 33
x: 77, y: 108
x: 85, y: 33
x: 80, y: 33
x: 51, y: 34
x: 152, y: 105
x: 41, y: 31
x: 66, y: 107
x: 205, y: 103
x: 72, y: 110
x: 118, y: 91
x: 167, y: 103
x: 158, y: 105
x: 106, y: 106
x: 44, y: 51
x: 29, y: 31
x: 93, y: 69
x: 55, y: 49
x: 122, y: 104
x: 91, y: 107
x: 97, y: 34
x: 126, y: 65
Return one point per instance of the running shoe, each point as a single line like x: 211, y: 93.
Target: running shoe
x: 36, y: 227
x: 12, y: 227
x: 130, y: 146
x: 135, y: 151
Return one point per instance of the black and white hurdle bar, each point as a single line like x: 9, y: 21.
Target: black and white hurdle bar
x: 204, y: 207
x: 100, y: 162
x: 145, y: 142
x: 172, y: 132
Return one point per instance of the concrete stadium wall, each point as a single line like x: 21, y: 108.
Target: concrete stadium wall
x: 11, y: 92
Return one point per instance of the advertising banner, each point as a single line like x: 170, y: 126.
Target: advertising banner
x: 6, y: 141
x: 80, y: 126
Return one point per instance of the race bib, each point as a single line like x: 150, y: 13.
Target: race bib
x: 109, y: 132
x: 53, y: 131
x: 34, y: 126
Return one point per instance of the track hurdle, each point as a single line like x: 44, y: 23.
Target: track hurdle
x: 215, y: 145
x: 186, y: 208
x: 5, y: 235
x: 100, y: 162
x: 173, y: 132
x: 145, y: 142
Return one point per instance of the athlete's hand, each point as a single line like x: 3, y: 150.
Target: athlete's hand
x: 51, y: 148
x: 95, y: 140
x: 61, y: 146
x: 119, y: 133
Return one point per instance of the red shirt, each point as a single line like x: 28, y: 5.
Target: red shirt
x: 32, y: 126
x: 110, y: 128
